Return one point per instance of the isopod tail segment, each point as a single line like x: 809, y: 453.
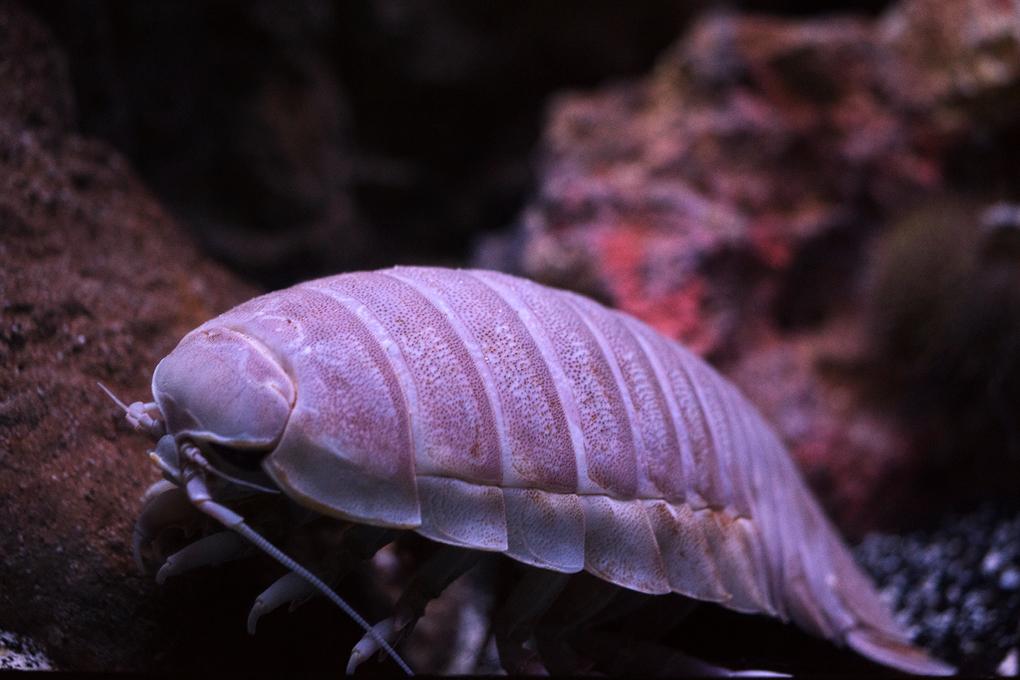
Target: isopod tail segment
x: 191, y: 475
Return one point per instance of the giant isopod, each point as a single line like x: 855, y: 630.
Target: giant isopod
x: 490, y: 413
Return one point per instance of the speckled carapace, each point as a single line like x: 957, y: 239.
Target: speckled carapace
x: 489, y: 412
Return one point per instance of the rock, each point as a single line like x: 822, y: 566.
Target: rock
x: 21, y: 654
x: 955, y: 69
x: 701, y: 197
x: 953, y: 585
x: 949, y: 57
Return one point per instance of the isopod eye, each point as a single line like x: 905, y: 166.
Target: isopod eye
x: 221, y: 386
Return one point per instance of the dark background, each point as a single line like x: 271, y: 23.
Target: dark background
x: 303, y: 138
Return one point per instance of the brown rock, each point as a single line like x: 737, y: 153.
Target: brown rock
x: 96, y: 283
x: 690, y: 198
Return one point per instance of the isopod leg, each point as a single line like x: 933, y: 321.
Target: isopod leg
x: 198, y: 492
x: 223, y: 546
x: 444, y: 567
x: 658, y: 614
x: 359, y: 543
x: 163, y: 504
x: 289, y: 588
x: 588, y: 601
x: 583, y: 599
x: 514, y: 623
x: 367, y: 645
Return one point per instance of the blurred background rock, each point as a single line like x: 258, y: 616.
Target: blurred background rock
x: 819, y: 198
x: 300, y: 139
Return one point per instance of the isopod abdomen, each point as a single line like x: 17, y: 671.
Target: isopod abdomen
x: 488, y: 412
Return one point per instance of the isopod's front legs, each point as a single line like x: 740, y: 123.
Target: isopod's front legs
x: 514, y: 623
x: 359, y: 543
x: 288, y: 589
x: 163, y: 505
x: 217, y: 548
x: 198, y: 492
x: 444, y: 567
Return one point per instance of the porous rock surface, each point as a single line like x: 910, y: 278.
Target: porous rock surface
x: 21, y: 654
x: 955, y: 586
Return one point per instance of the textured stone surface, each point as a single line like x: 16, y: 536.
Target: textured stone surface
x: 955, y: 586
x: 21, y: 654
x: 962, y: 56
x: 702, y: 197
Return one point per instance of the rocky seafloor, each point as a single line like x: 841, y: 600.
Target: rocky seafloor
x: 955, y: 587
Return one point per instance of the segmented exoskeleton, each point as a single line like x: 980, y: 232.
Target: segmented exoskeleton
x: 488, y: 412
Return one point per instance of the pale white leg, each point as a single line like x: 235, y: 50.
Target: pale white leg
x: 198, y: 492
x: 163, y: 505
x: 369, y: 645
x: 217, y: 548
x: 359, y: 543
x: 289, y: 588
x: 439, y: 571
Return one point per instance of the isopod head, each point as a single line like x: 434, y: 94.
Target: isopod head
x: 223, y: 387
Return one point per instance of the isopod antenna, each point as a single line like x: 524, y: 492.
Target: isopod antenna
x: 199, y: 494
